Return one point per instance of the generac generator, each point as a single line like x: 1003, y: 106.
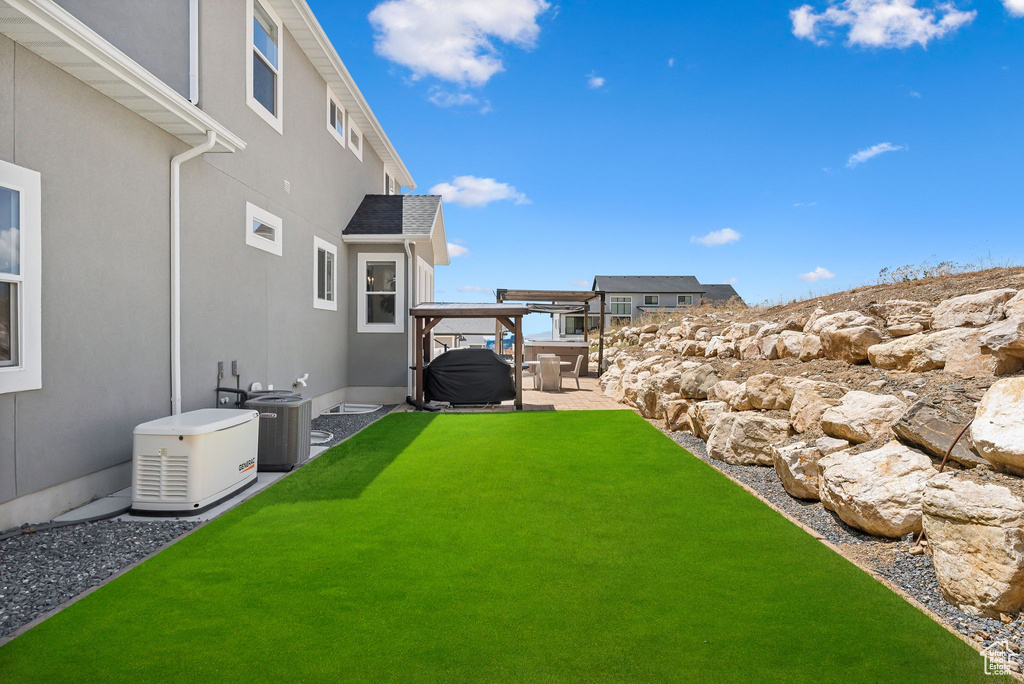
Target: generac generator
x: 184, y: 464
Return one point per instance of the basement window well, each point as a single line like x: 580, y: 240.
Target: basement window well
x: 20, y: 279
x: 263, y: 230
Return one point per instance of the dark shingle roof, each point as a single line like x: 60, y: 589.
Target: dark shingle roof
x: 394, y: 215
x: 719, y: 293
x: 650, y: 284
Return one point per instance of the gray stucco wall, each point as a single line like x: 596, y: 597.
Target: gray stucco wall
x: 105, y: 181
x: 376, y: 359
x: 152, y: 32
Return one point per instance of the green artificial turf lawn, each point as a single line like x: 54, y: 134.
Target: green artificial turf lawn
x: 526, y: 547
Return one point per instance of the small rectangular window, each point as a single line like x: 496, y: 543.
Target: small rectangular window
x: 325, y: 265
x: 264, y: 61
x: 355, y: 139
x: 650, y: 300
x: 335, y: 118
x: 263, y: 230
x: 381, y: 293
x: 387, y: 184
x: 621, y: 306
x: 684, y: 300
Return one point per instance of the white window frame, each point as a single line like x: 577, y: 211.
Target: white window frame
x: 593, y: 321
x: 27, y: 374
x: 333, y: 99
x: 657, y: 300
x: 680, y: 302
x: 400, y: 314
x: 391, y: 186
x: 356, y: 150
x: 325, y: 304
x: 628, y: 300
x: 276, y: 122
x: 254, y: 213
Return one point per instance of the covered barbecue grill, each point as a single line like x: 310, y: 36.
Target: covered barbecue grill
x: 469, y: 376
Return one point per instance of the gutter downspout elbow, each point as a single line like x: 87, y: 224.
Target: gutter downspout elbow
x: 176, y: 162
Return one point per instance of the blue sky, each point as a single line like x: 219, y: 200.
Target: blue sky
x: 619, y: 134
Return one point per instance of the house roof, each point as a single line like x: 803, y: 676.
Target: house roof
x: 719, y: 293
x: 57, y: 36
x: 650, y: 284
x: 466, y: 326
x: 400, y: 218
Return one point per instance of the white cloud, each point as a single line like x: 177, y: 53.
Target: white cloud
x: 804, y: 204
x: 454, y: 40
x: 474, y: 288
x: 471, y: 191
x: 1015, y: 7
x: 671, y: 61
x: 594, y: 81
x: 816, y: 275
x: 732, y: 281
x: 444, y: 98
x: 582, y: 283
x: 871, y: 152
x: 717, y: 238
x: 455, y: 250
x: 915, y: 94
x: 881, y: 23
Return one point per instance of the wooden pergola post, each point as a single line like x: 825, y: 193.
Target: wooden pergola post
x: 419, y: 362
x: 517, y: 359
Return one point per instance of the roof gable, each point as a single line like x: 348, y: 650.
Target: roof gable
x: 649, y: 284
x: 407, y: 215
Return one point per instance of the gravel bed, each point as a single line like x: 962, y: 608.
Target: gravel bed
x: 890, y: 558
x: 346, y: 426
x: 40, y: 571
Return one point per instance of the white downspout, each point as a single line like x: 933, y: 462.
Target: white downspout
x: 176, y: 162
x: 409, y: 322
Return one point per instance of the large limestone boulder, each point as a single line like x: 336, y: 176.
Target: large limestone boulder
x: 830, y: 445
x: 849, y: 344
x: 797, y: 468
x: 971, y: 311
x: 769, y: 347
x: 968, y: 357
x: 655, y: 391
x: 933, y: 427
x: 704, y: 416
x: 789, y: 343
x: 900, y: 312
x: 732, y: 393
x: 975, y: 526
x: 746, y: 438
x: 629, y: 386
x: 722, y: 389
x: 998, y: 427
x: 1005, y: 337
x: 677, y: 415
x: 916, y: 353
x: 695, y: 382
x: 861, y: 416
x: 810, y: 349
x: 768, y: 392
x: 905, y: 329
x: 877, y: 491
x: 837, y: 321
x: 1015, y: 306
x: 750, y: 349
x: 810, y: 401
x: 720, y: 346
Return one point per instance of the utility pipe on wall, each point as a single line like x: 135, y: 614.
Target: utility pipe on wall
x: 412, y: 300
x: 176, y: 162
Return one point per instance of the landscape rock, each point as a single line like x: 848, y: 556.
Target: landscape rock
x: 694, y: 383
x: 849, y: 344
x: 1015, y: 306
x: 797, y: 468
x: 932, y: 427
x: 654, y: 391
x: 876, y: 491
x: 862, y: 417
x: 900, y: 312
x: 916, y: 353
x: 972, y: 310
x: 998, y: 427
x: 789, y: 344
x: 1005, y: 337
x: 810, y: 349
x: 677, y: 415
x: 829, y: 445
x: 838, y: 321
x: 810, y: 401
x: 975, y: 527
x: 768, y: 392
x: 967, y: 357
x: 746, y: 438
x: 904, y: 329
x: 704, y: 415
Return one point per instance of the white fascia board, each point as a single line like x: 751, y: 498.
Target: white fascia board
x: 439, y: 239
x: 383, y: 239
x: 54, y: 34
x: 300, y: 21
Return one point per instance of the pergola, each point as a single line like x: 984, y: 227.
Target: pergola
x: 555, y: 297
x: 427, y: 316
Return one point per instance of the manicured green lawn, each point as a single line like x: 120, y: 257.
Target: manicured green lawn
x: 510, y: 547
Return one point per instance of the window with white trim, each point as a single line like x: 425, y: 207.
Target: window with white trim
x: 391, y: 186
x: 684, y: 300
x: 20, y: 279
x: 263, y: 230
x: 574, y: 323
x: 621, y: 306
x: 355, y: 139
x: 381, y: 303
x: 325, y: 275
x: 650, y: 300
x: 335, y: 117
x: 264, y: 87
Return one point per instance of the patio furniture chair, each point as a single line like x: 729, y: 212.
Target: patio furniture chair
x: 575, y: 372
x: 531, y: 372
x: 550, y: 372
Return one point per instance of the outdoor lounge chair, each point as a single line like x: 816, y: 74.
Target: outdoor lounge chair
x: 550, y: 372
x: 575, y: 372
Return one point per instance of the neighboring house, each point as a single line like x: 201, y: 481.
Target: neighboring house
x: 628, y: 298
x: 184, y: 184
x: 463, y: 333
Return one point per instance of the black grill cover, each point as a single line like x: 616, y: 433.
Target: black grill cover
x: 468, y: 376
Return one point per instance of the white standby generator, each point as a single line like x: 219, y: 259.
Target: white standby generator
x: 187, y: 463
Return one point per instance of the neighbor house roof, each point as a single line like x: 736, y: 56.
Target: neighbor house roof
x: 719, y: 293
x: 466, y: 326
x: 650, y: 284
x: 390, y: 218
